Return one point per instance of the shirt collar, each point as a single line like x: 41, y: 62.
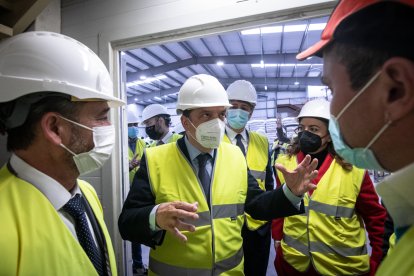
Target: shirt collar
x: 167, y: 137
x: 50, y: 188
x: 193, y: 152
x: 397, y: 193
x: 232, y: 134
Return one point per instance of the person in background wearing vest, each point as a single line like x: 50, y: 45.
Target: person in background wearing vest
x: 136, y: 148
x: 255, y: 147
x: 280, y: 145
x: 370, y: 70
x: 330, y: 239
x: 55, y: 95
x: 157, y: 121
x: 188, y: 198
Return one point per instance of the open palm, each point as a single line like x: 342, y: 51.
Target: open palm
x: 299, y: 180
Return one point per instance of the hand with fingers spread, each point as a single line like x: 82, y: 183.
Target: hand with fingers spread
x: 171, y: 216
x: 299, y: 180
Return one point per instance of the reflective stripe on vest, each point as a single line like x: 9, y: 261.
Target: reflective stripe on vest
x: 217, y: 238
x: 219, y: 211
x: 331, y: 233
x: 257, y: 157
x: 331, y: 210
x: 258, y: 175
x: 323, y: 248
x: 219, y: 267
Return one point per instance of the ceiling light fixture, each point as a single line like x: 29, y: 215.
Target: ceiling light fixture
x: 286, y: 29
x: 220, y: 63
x: 261, y: 65
x: 147, y: 80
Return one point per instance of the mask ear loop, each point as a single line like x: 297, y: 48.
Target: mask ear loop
x: 378, y: 134
x: 358, y: 94
x: 66, y: 148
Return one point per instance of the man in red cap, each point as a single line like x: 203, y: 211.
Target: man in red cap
x: 369, y: 67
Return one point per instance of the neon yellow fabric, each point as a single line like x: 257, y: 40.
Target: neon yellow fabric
x: 139, y: 151
x: 218, y: 238
x: 399, y: 260
x: 33, y: 238
x: 257, y: 157
x: 330, y: 234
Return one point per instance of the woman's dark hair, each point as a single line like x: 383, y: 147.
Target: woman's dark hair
x: 294, y: 149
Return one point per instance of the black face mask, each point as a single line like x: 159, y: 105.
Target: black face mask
x: 153, y: 133
x: 309, y: 142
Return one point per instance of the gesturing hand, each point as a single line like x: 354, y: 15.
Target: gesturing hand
x: 134, y: 162
x: 278, y: 122
x: 170, y: 216
x: 299, y: 180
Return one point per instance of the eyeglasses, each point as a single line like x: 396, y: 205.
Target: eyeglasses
x: 298, y: 129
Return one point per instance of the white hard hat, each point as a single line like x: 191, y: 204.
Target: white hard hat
x: 44, y: 61
x: 201, y: 91
x: 318, y: 108
x: 132, y: 113
x: 153, y: 110
x: 242, y: 90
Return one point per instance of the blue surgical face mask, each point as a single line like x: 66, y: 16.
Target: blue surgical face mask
x: 132, y: 132
x: 237, y: 118
x: 360, y: 157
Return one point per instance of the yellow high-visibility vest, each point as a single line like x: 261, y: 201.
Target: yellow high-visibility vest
x: 398, y: 261
x: 33, y: 238
x: 257, y: 157
x: 139, y: 151
x: 330, y: 234
x: 216, y: 245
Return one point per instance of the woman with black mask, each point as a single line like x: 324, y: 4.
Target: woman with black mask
x: 330, y: 238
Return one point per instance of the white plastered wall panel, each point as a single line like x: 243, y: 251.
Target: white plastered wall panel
x: 107, y: 26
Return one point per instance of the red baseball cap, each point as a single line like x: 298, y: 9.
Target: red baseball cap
x: 368, y: 23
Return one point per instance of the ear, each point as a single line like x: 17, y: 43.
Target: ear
x: 184, y: 122
x: 52, y: 128
x: 399, y: 83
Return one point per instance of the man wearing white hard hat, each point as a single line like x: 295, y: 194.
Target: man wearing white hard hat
x: 157, y: 120
x: 255, y: 147
x: 55, y: 95
x: 188, y: 198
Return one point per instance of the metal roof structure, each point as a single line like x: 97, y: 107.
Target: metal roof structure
x: 264, y: 56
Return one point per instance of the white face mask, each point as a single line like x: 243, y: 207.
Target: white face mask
x: 209, y: 134
x: 103, y: 139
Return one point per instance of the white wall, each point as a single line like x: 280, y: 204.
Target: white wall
x: 108, y: 25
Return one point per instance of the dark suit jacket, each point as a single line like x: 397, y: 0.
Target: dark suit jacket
x: 133, y: 222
